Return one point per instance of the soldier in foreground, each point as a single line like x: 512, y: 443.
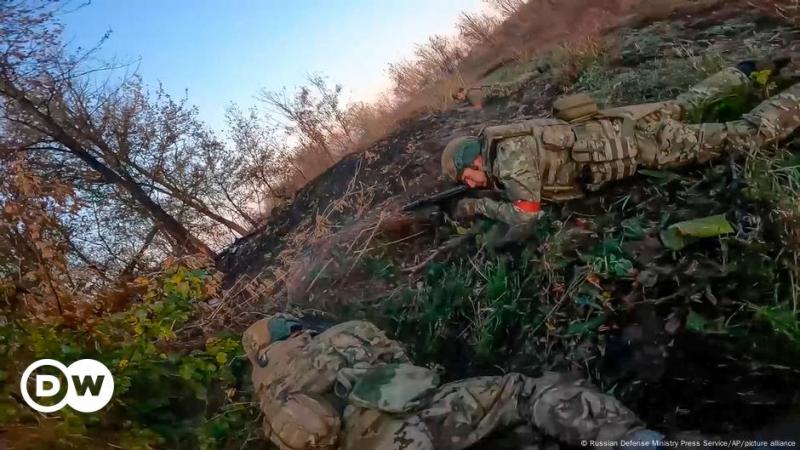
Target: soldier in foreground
x: 350, y: 387
x: 558, y: 160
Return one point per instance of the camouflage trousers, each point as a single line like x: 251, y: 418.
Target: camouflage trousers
x: 676, y: 144
x: 461, y: 413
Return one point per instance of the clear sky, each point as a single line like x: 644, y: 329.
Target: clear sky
x: 225, y: 51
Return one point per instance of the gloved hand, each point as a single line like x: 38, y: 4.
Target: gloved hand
x: 780, y: 69
x: 466, y: 208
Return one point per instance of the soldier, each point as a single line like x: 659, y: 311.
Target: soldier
x: 350, y: 387
x: 556, y: 160
x: 477, y: 96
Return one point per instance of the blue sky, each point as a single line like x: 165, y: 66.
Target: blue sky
x: 226, y: 51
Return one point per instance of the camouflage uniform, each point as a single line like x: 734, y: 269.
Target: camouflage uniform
x: 353, y: 388
x: 554, y: 160
x: 480, y: 95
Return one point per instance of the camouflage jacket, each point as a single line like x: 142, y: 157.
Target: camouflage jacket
x: 554, y: 160
x: 295, y: 380
x: 351, y: 387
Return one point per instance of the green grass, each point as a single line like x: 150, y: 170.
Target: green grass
x: 542, y: 304
x: 653, y: 80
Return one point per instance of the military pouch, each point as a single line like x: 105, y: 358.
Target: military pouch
x: 392, y: 388
x: 575, y: 108
x: 606, y: 148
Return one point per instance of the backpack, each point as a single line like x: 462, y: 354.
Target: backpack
x: 575, y: 108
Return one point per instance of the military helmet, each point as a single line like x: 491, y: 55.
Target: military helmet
x: 459, y: 154
x: 268, y: 330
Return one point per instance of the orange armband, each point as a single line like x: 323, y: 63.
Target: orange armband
x: 527, y: 206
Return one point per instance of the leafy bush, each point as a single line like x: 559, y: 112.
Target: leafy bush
x: 168, y: 393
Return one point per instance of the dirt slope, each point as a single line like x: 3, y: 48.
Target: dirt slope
x: 694, y: 339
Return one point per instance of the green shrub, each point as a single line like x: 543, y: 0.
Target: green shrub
x: 165, y: 394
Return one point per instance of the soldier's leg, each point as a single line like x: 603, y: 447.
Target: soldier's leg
x: 726, y: 83
x: 775, y: 118
x: 370, y: 428
x: 464, y: 412
x: 574, y: 410
x: 669, y: 143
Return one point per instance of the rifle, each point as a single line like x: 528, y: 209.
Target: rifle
x: 437, y: 198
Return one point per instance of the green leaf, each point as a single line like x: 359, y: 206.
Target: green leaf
x: 586, y: 328
x: 681, y: 234
x: 632, y: 228
x: 695, y: 322
x: 621, y: 267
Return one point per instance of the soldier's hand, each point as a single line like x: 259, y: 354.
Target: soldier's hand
x: 466, y: 208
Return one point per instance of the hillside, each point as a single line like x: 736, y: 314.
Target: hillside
x: 702, y: 338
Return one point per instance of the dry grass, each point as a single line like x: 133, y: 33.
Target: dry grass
x: 788, y: 10
x: 569, y: 29
x: 572, y: 27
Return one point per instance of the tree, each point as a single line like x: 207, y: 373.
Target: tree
x: 33, y: 257
x: 477, y: 29
x: 506, y: 8
x: 316, y: 117
x: 108, y: 133
x: 434, y: 60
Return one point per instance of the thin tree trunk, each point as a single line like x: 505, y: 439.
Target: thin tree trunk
x: 235, y: 206
x: 199, y: 206
x: 131, y: 266
x: 182, y: 236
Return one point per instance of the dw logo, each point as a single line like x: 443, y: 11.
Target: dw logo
x: 89, y: 385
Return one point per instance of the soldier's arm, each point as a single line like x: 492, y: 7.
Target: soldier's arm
x: 517, y: 169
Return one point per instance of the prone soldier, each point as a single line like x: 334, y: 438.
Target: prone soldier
x: 352, y: 388
x: 558, y: 160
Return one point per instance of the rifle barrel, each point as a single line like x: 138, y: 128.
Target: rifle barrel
x: 436, y: 198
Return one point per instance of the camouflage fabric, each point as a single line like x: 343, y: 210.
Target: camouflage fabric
x: 557, y: 161
x: 294, y: 378
x: 462, y: 413
x: 352, y: 388
x: 393, y: 388
x: 724, y: 84
x: 480, y: 95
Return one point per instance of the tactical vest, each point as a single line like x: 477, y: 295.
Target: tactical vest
x: 553, y: 140
x: 605, y: 148
x: 295, y: 382
x: 588, y: 154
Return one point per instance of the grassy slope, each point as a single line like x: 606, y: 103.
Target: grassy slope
x: 688, y: 339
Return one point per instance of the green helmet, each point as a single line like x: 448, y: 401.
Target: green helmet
x: 267, y: 331
x: 458, y: 154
